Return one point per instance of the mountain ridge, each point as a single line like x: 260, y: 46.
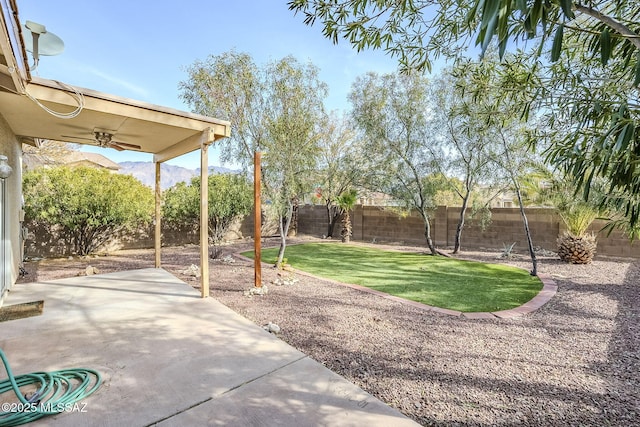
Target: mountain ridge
x: 170, y: 175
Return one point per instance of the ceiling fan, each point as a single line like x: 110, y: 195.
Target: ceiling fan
x: 104, y: 138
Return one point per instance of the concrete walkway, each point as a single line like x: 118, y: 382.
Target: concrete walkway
x: 169, y: 358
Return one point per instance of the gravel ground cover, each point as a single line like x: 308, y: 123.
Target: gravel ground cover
x: 574, y: 362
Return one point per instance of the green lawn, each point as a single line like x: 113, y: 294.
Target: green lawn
x: 465, y: 286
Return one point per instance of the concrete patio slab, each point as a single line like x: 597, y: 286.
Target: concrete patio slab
x: 300, y: 394
x: 170, y: 358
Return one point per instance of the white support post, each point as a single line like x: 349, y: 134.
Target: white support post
x: 204, y: 219
x: 158, y: 219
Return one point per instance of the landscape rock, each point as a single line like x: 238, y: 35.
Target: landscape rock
x: 284, y: 279
x: 90, y: 271
x: 272, y: 328
x: 193, y: 271
x: 229, y: 260
x: 263, y: 290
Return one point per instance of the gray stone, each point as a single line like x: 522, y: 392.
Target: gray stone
x: 193, y: 270
x: 90, y: 271
x: 272, y: 328
x: 263, y: 290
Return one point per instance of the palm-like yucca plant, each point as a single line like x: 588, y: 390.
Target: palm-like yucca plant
x: 547, y: 187
x: 346, y: 202
x: 576, y: 245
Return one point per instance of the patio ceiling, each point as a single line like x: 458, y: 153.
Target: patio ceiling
x: 164, y: 132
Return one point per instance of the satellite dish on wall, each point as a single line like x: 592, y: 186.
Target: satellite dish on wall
x: 41, y: 42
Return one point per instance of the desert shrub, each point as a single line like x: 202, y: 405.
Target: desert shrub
x: 230, y: 198
x: 85, y: 206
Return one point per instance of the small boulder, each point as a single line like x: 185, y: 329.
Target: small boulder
x: 193, y: 270
x: 90, y: 271
x: 228, y: 260
x: 262, y: 290
x: 271, y: 328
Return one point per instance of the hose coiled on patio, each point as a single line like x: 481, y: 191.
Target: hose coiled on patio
x: 58, y: 391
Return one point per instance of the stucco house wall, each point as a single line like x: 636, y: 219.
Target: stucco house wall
x: 11, y: 147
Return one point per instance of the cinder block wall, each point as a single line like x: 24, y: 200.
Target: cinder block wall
x: 383, y: 225
x: 312, y: 221
x: 506, y: 228
x: 373, y: 223
x: 615, y: 244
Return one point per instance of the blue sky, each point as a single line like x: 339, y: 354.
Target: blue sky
x: 139, y: 49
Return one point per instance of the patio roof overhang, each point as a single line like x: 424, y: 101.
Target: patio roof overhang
x: 164, y: 132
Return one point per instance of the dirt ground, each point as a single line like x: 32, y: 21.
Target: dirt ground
x: 575, y: 361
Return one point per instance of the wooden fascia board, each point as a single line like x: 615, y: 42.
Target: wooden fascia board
x: 11, y: 69
x: 187, y: 145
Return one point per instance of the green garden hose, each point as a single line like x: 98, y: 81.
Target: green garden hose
x: 58, y: 391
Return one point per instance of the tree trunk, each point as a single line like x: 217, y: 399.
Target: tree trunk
x: 427, y: 234
x: 293, y: 228
x: 283, y: 224
x: 332, y: 218
x: 534, y: 261
x: 463, y: 211
x: 346, y: 227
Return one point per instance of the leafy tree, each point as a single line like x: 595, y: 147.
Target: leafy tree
x: 419, y: 31
x: 85, y: 206
x: 54, y: 152
x: 230, y: 86
x: 536, y: 187
x: 181, y: 205
x: 593, y: 84
x: 416, y: 32
x: 593, y: 127
x: 276, y: 109
x: 511, y: 158
x: 293, y: 116
x: 501, y: 120
x: 346, y: 202
x: 393, y: 112
x: 342, y: 164
x: 230, y: 199
x: 590, y: 120
x: 448, y: 188
x: 464, y: 145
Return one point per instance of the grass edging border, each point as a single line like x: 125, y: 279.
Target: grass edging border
x: 549, y: 289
